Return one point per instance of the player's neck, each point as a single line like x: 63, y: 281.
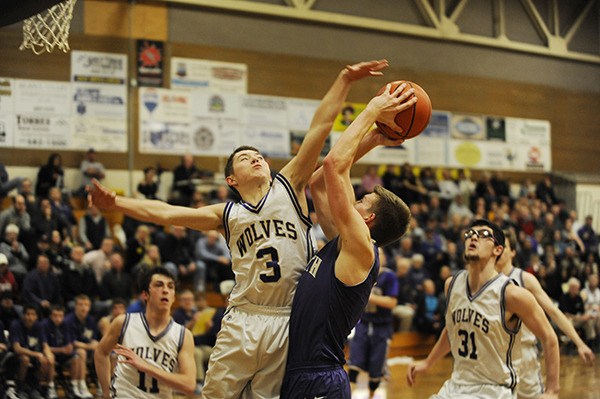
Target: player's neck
x: 254, y: 192
x: 157, y: 319
x: 505, y: 269
x: 480, y: 273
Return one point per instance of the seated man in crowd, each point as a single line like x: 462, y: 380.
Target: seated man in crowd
x: 84, y: 329
x: 29, y: 345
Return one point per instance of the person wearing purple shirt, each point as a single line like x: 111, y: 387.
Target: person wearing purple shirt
x: 29, y: 344
x: 84, y: 330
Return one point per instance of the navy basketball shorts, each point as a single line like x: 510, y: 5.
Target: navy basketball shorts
x: 329, y: 382
x: 369, y: 348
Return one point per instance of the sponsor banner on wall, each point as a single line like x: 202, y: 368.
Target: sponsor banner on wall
x: 42, y: 97
x: 164, y: 105
x: 7, y: 130
x: 300, y: 113
x: 100, y: 100
x: 212, y: 138
x: 265, y: 111
x: 347, y: 115
x: 150, y: 70
x: 217, y: 76
x: 468, y: 127
x: 38, y: 131
x: 97, y: 67
x: 164, y: 138
x: 218, y: 106
x: 102, y: 134
x: 7, y: 104
x: 404, y: 153
x: 272, y: 141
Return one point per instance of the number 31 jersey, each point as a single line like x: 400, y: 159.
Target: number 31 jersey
x: 161, y: 351
x: 270, y: 245
x: 481, y: 342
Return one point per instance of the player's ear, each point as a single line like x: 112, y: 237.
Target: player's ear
x: 370, y: 218
x: 498, y: 249
x: 231, y: 181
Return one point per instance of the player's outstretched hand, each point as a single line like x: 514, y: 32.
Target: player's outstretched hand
x: 586, y: 354
x: 100, y: 196
x: 414, y: 369
x: 364, y: 69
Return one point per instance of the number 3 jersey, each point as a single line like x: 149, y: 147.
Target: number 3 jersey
x: 270, y: 246
x: 161, y: 351
x: 481, y: 342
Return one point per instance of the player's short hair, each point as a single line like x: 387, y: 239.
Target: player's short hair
x: 229, y: 166
x: 391, y: 217
x: 146, y: 278
x: 512, y: 239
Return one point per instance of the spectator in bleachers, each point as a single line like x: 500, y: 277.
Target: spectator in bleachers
x: 6, y: 183
x: 148, y: 187
x: 220, y: 195
x: 459, y: 208
x: 137, y: 246
x: 412, y: 189
x: 527, y: 189
x: 7, y: 360
x: 26, y: 190
x: 183, y: 181
x: 450, y: 258
x: 29, y: 345
x: 17, y: 255
x: 60, y: 207
x: 435, y: 212
x: 591, y: 300
x: 544, y: 190
x: 8, y: 283
x: 151, y: 259
x: 448, y: 188
x: 588, y: 236
x: 429, y: 182
x: 93, y: 228
x: 116, y: 283
x: 60, y: 342
x: 46, y: 220
x: 41, y: 287
x: 98, y: 259
x: 9, y: 311
x: 428, y: 316
x: 571, y: 236
x: 177, y: 254
x: 569, y: 264
x: 404, y: 311
x: 78, y: 278
x: 118, y: 307
x: 16, y: 214
x: 431, y: 245
x: 84, y: 329
x: 417, y: 273
x: 50, y: 175
x: 573, y: 307
x: 501, y: 186
x: 186, y: 309
x: 90, y: 168
x: 391, y: 179
x: 466, y: 186
x: 211, y: 250
x: 369, y: 180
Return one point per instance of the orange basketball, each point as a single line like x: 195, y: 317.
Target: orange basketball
x: 413, y: 120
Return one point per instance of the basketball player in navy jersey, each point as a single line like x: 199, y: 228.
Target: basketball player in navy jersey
x: 155, y: 354
x: 484, y: 310
x: 268, y: 235
x: 529, y: 368
x: 335, y: 287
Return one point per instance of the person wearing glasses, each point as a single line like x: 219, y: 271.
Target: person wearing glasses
x: 484, y: 311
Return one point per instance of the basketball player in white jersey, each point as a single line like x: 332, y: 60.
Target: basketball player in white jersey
x: 155, y: 355
x: 529, y: 368
x: 484, y: 310
x: 267, y: 232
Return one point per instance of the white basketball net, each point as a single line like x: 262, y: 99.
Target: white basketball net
x: 44, y: 31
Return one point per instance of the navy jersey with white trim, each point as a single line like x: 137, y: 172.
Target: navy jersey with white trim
x: 325, y: 310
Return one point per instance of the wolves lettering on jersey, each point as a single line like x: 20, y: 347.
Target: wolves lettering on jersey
x: 262, y: 231
x: 471, y: 316
x: 156, y: 355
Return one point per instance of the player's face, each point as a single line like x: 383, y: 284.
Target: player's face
x: 365, y: 204
x: 249, y: 164
x: 161, y: 293
x: 479, y: 243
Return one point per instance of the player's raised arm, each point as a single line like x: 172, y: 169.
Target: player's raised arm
x: 155, y: 211
x: 301, y: 167
x: 521, y: 302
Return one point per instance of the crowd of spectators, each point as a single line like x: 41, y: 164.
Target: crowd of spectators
x: 53, y: 257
